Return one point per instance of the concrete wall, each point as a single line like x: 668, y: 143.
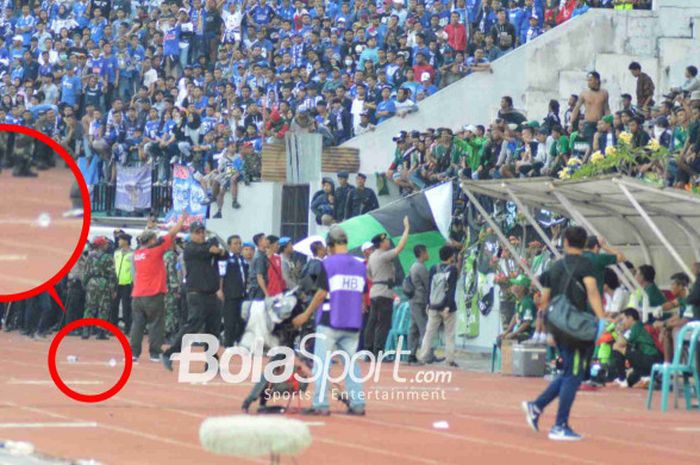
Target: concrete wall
x: 261, y: 211
x: 554, y: 66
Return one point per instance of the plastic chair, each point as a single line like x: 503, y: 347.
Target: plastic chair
x: 495, y: 358
x: 400, y: 325
x: 676, y: 367
x: 693, y: 347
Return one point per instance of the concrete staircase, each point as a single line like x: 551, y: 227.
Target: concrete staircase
x: 553, y: 66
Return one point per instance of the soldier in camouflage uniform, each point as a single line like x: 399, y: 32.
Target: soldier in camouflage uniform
x: 100, y: 284
x: 252, y: 162
x: 22, y: 154
x: 172, y: 298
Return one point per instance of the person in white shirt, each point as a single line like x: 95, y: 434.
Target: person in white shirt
x: 615, y: 296
x: 233, y: 17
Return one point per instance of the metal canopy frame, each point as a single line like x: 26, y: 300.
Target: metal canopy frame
x: 619, y: 207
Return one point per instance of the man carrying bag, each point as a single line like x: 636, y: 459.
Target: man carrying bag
x: 570, y: 289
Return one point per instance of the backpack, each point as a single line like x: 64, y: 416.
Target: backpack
x: 439, y: 287
x: 408, y: 288
x: 566, y: 322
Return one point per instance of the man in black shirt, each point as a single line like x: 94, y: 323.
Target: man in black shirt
x: 573, y: 276
x: 257, y: 278
x: 202, y: 281
x: 212, y: 30
x: 234, y: 275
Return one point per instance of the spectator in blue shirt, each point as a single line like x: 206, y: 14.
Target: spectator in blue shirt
x: 386, y: 108
x: 71, y: 88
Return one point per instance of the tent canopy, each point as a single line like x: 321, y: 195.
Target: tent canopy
x: 603, y: 202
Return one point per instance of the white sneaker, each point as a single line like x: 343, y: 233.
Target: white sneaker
x: 622, y: 383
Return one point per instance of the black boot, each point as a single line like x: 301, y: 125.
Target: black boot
x: 102, y: 334
x: 86, y: 333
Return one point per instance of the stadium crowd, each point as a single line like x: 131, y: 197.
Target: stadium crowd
x: 662, y: 139
x: 206, y: 83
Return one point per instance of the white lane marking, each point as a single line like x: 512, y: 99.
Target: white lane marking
x: 12, y: 258
x: 48, y: 382
x: 54, y: 424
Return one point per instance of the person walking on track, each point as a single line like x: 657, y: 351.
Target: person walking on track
x: 574, y: 277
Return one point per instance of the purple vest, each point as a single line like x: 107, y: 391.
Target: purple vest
x: 346, y: 285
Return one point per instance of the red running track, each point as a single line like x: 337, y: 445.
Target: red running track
x: 31, y: 254
x: 155, y: 420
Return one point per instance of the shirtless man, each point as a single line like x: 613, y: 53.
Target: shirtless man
x: 595, y: 100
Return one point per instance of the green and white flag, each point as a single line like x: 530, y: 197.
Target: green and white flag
x: 430, y: 215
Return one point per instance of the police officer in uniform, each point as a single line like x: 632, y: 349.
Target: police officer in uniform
x: 361, y: 199
x: 342, y: 193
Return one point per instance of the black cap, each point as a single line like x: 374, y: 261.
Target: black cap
x: 196, y: 226
x: 378, y: 239
x: 343, y: 174
x: 662, y: 121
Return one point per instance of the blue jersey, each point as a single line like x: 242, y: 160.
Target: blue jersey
x: 70, y: 89
x: 97, y: 29
x: 167, y: 128
x: 262, y: 14
x: 387, y: 105
x: 110, y: 66
x: 152, y: 129
x: 171, y: 42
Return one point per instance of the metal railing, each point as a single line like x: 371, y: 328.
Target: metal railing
x: 103, y: 195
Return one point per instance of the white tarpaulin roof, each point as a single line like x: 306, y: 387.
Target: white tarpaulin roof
x: 603, y: 202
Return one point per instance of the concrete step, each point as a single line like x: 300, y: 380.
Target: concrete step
x: 676, y: 21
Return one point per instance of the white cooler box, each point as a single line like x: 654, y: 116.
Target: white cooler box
x: 529, y: 360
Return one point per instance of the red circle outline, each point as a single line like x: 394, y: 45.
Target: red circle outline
x: 50, y: 283
x: 90, y: 398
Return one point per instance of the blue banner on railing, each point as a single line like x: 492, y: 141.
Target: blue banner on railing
x: 133, y: 188
x: 188, y: 195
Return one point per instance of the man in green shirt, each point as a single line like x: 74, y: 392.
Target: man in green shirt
x: 558, y: 152
x: 600, y: 260
x: 468, y: 149
x: 672, y: 322
x: 523, y: 322
x: 652, y: 299
x: 635, y: 348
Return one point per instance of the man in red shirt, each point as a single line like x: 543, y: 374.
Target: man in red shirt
x: 148, y: 304
x: 456, y: 33
x: 422, y: 66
